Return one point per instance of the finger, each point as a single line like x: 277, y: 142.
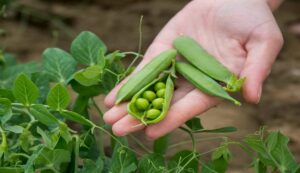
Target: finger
x: 192, y: 104
x: 127, y: 125
x: 115, y: 114
x: 262, y: 50
x: 183, y: 89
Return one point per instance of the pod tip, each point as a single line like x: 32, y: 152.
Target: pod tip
x: 237, y: 103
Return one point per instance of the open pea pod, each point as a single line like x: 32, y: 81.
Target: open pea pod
x: 144, y: 76
x: 167, y: 97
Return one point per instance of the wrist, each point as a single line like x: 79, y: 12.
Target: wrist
x: 274, y: 4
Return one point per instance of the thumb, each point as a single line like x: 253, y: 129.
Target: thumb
x: 262, y: 52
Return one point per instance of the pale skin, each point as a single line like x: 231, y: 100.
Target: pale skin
x: 242, y: 34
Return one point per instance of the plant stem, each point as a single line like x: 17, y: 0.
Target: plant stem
x: 76, y: 152
x: 140, y: 144
x: 4, y: 140
x: 100, y: 133
x: 196, y: 140
x: 139, y: 46
x: 192, y: 137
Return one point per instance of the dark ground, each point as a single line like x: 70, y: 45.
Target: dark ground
x: 116, y: 22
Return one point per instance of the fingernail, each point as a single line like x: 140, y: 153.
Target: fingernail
x: 259, y: 95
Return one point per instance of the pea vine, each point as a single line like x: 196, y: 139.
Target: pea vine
x: 45, y: 129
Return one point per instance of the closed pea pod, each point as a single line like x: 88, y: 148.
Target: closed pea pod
x: 208, y: 64
x: 146, y: 75
x: 203, y: 82
x: 151, y: 115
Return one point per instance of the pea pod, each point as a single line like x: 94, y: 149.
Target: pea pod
x: 203, y: 82
x: 142, y: 115
x: 146, y: 75
x: 208, y: 64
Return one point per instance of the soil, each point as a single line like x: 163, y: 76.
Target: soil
x: 55, y: 23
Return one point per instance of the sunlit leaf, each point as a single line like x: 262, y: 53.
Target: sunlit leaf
x: 25, y: 91
x: 58, y: 97
x: 88, y: 49
x: 58, y: 64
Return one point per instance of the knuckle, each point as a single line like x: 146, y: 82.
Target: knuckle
x: 276, y: 38
x: 151, y: 134
x: 107, y: 119
x: 118, y: 131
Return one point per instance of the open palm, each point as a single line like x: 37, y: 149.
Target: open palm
x: 241, y: 34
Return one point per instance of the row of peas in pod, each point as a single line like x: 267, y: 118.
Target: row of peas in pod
x: 152, y: 100
x: 150, y: 90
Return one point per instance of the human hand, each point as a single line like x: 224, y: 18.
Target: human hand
x: 241, y: 34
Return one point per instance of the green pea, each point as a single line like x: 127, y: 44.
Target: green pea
x: 159, y: 85
x: 158, y: 103
x: 153, y: 113
x: 149, y: 95
x: 161, y: 93
x: 142, y: 104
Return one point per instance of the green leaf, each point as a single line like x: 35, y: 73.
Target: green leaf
x: 2, y: 59
x: 11, y: 170
x: 219, y: 161
x: 219, y: 130
x: 41, y: 80
x: 15, y: 129
x: 25, y: 91
x: 81, y: 105
x: 9, y: 59
x: 152, y: 163
x: 5, y: 106
x: 52, y: 158
x: 273, y: 151
x: 29, y: 166
x: 256, y: 142
x: 124, y: 160
x: 64, y: 132
x: 110, y: 80
x: 215, y: 166
x: 58, y: 64
x: 89, y: 91
x: 50, y: 139
x: 26, y: 140
x: 194, y: 124
x: 88, y: 49
x: 9, y: 74
x: 89, y: 76
x: 58, y: 97
x: 90, y: 166
x: 5, y: 110
x: 160, y: 145
x: 277, y: 145
x: 89, y: 146
x: 73, y: 116
x: 43, y: 115
x: 259, y: 167
x: 184, y: 162
x: 222, y: 152
x: 5, y: 93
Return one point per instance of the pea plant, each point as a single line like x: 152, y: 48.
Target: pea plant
x: 44, y: 130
